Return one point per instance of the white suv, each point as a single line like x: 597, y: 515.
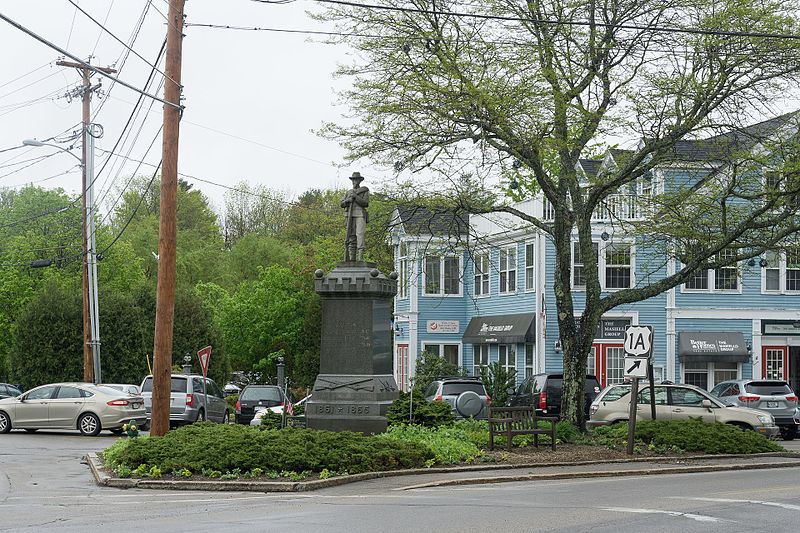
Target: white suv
x: 676, y: 402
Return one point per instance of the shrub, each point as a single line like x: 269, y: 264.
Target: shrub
x: 206, y: 447
x: 424, y: 413
x: 449, y: 444
x: 694, y: 435
x: 271, y: 420
x: 431, y: 366
x: 231, y: 401
x: 497, y: 380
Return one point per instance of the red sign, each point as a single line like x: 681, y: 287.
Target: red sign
x: 205, y: 356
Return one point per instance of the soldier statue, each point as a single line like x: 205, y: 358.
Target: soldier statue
x: 355, y: 203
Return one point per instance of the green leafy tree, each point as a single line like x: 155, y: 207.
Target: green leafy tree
x: 431, y: 366
x: 516, y: 92
x: 498, y: 380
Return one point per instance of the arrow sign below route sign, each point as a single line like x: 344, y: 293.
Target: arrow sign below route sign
x: 639, y: 341
x: 205, y: 356
x: 636, y: 367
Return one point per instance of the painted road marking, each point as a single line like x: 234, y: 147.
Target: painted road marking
x: 788, y: 506
x: 696, y: 517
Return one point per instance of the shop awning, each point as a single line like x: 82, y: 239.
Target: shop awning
x: 505, y: 329
x: 712, y: 346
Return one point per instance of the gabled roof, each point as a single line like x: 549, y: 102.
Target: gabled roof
x: 590, y: 166
x: 420, y: 220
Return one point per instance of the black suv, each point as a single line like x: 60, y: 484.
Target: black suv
x: 466, y: 396
x: 543, y: 391
x: 254, y: 398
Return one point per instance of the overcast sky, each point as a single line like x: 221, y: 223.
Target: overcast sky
x: 252, y: 97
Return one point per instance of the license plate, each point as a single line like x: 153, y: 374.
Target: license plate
x: 772, y: 404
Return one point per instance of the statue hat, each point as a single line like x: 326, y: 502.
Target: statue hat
x: 357, y: 177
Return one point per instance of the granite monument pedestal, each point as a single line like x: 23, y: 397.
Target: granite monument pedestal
x: 356, y: 384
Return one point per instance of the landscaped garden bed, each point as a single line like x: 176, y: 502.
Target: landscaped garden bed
x: 228, y: 452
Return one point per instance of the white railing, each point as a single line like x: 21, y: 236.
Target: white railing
x: 613, y: 207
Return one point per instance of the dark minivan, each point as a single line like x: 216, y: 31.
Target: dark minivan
x: 256, y: 397
x: 543, y: 391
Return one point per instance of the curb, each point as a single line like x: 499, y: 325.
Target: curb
x: 102, y: 478
x: 609, y: 473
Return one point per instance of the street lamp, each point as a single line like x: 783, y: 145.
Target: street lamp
x: 91, y: 317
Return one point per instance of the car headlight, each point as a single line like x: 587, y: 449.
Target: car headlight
x: 767, y: 420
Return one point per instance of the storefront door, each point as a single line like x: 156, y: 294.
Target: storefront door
x: 794, y: 368
x: 401, y: 371
x: 611, y: 363
x: 775, y: 362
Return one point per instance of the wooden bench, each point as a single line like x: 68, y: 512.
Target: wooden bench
x: 510, y: 421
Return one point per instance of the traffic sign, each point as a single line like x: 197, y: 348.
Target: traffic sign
x: 636, y: 367
x: 205, y: 356
x: 639, y: 341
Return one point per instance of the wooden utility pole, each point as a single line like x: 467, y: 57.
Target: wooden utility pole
x: 86, y: 97
x: 167, y: 235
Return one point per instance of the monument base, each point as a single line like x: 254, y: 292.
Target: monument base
x: 351, y: 402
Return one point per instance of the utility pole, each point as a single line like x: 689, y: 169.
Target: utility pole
x: 91, y: 322
x: 167, y: 235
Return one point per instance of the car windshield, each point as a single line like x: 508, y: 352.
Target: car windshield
x: 261, y: 394
x: 178, y: 384
x: 111, y: 391
x: 768, y: 388
x: 615, y: 393
x: 454, y: 389
x: 590, y: 386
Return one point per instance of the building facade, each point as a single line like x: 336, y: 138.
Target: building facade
x: 479, y: 290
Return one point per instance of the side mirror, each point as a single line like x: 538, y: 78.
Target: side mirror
x: 707, y: 404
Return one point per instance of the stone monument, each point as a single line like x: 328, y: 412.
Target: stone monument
x: 356, y: 383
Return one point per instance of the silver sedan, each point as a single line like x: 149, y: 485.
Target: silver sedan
x: 83, y: 406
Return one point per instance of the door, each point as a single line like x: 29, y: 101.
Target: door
x: 685, y: 403
x: 643, y: 409
x: 774, y: 362
x: 32, y: 411
x: 401, y: 374
x: 794, y: 368
x: 65, y: 407
x: 612, y: 363
x: 216, y: 404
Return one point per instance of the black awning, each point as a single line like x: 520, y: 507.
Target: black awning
x: 500, y: 328
x: 712, y: 346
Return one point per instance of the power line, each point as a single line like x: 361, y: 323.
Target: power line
x: 120, y: 41
x: 556, y: 22
x: 108, y: 12
x: 24, y: 75
x: 84, y: 64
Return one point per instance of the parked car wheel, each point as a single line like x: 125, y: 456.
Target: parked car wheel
x: 89, y: 425
x: 5, y: 422
x: 788, y: 433
x: 201, y: 415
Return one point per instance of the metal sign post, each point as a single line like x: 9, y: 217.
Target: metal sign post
x: 204, y: 356
x: 638, y: 350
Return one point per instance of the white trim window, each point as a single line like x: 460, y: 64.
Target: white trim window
x: 706, y: 375
x: 530, y: 267
x: 578, y: 275
x: 449, y: 352
x: 618, y: 266
x: 529, y: 355
x: 507, y: 356
x: 721, y: 279
x: 442, y: 275
x: 403, y: 271
x: 508, y: 269
x: 482, y: 267
x: 480, y: 358
x: 781, y: 271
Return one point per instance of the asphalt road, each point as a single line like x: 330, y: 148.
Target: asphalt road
x: 43, y: 486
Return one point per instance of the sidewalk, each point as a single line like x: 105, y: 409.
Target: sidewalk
x: 471, y: 475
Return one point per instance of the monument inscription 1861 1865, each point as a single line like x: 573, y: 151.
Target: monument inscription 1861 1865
x: 356, y: 383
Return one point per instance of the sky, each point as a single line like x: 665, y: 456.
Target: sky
x: 252, y: 98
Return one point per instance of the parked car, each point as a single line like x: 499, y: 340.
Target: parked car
x: 676, y: 402
x: 130, y: 389
x: 8, y: 391
x: 466, y: 395
x: 83, y: 406
x: 253, y: 397
x: 187, y: 403
x: 278, y: 409
x: 543, y: 391
x: 770, y: 395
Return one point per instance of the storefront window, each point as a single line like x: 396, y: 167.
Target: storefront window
x: 507, y: 356
x: 706, y: 375
x: 696, y: 374
x: 480, y: 358
x: 528, y: 360
x: 448, y: 351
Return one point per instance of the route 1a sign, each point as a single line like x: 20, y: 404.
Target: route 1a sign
x: 639, y: 341
x: 636, y: 367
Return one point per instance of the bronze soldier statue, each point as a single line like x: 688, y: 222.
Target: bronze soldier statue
x: 355, y: 202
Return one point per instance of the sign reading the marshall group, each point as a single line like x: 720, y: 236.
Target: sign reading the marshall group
x: 443, y: 326
x: 613, y: 328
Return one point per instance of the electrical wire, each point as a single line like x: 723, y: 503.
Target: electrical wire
x: 25, y: 75
x: 84, y: 63
x: 556, y: 22
x: 108, y: 12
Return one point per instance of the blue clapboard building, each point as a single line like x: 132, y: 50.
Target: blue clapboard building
x: 479, y: 289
